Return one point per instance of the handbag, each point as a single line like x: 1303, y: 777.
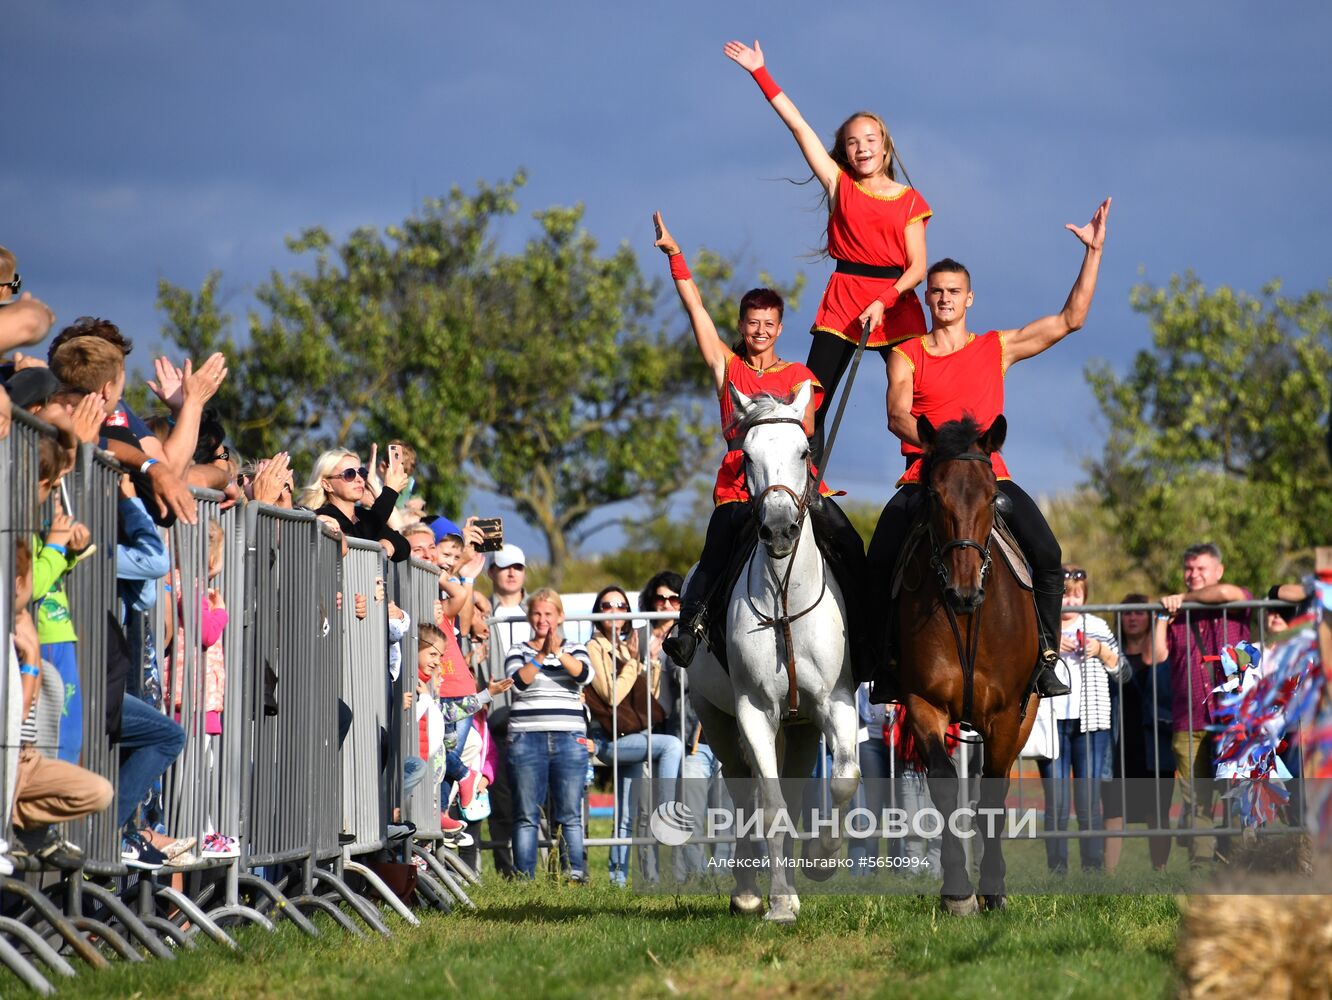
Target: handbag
x: 479, y: 808
x: 628, y: 717
x: 1043, y: 740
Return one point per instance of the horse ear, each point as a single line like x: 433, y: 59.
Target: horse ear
x: 993, y: 439
x: 801, y: 401
x: 739, y: 400
x: 925, y: 431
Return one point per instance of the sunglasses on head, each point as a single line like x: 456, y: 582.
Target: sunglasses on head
x: 666, y: 598
x: 1075, y: 574
x: 14, y: 285
x: 615, y: 606
x: 351, y: 475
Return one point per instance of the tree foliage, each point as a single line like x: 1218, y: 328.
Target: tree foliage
x: 1216, y: 432
x: 558, y: 376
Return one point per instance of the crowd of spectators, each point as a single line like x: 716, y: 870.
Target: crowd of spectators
x: 517, y: 749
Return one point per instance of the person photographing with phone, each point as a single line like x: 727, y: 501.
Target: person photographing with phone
x: 337, y: 489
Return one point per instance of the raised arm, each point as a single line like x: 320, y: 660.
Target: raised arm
x: 1047, y: 331
x: 715, y: 352
x: 823, y: 166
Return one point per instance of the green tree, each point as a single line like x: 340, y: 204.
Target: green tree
x: 559, y: 376
x: 1215, y: 433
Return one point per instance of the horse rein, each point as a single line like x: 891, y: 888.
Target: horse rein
x: 786, y: 618
x: 966, y: 652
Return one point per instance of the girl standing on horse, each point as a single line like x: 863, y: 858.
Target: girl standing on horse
x: 752, y: 367
x: 876, y: 233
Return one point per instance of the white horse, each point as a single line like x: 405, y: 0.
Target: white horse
x: 746, y: 713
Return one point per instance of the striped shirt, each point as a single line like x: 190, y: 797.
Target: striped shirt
x: 1089, y: 682
x: 552, y: 701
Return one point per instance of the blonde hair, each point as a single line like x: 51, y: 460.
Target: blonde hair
x: 417, y: 528
x: 313, y: 495
x: 546, y: 595
x: 216, y: 545
x: 1070, y: 584
x: 8, y: 264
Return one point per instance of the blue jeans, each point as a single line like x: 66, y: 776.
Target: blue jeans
x: 875, y: 760
x: 149, y: 742
x: 631, y: 751
x: 703, y: 786
x: 542, y: 763
x: 413, y: 771
x: 1081, y: 756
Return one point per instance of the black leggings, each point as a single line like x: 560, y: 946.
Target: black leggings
x: 828, y: 359
x: 1026, y: 522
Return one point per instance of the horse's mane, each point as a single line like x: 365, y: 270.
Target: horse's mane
x: 764, y: 405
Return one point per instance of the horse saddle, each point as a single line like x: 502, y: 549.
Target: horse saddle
x: 1001, y: 539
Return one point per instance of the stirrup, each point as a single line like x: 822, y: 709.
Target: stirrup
x: 1048, y: 684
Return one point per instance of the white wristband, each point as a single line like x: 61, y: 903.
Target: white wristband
x: 146, y: 465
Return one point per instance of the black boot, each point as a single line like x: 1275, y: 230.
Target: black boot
x: 682, y: 644
x: 1048, y: 684
x: 1049, y: 607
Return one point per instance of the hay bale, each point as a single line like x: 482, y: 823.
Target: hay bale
x: 1277, y: 945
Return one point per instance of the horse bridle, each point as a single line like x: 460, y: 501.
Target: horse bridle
x: 966, y: 652
x: 801, y: 501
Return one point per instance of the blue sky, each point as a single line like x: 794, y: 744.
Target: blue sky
x: 156, y: 139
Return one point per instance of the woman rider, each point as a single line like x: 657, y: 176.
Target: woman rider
x: 753, y: 367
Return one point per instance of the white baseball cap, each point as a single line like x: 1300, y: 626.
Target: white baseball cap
x: 508, y: 555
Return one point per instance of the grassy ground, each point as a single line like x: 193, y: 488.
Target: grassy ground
x: 548, y: 940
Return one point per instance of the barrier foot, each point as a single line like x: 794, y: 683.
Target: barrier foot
x: 319, y: 902
x: 36, y: 944
x: 48, y: 911
x: 25, y: 970
x: 122, y: 947
x: 281, y: 904
x: 245, y: 913
x: 132, y: 924
x: 195, y: 915
x: 388, y: 895
x: 433, y: 893
x: 443, y: 874
x: 454, y: 860
x: 363, y: 909
x: 166, y: 928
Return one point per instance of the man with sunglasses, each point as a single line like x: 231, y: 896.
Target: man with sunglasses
x: 23, y: 319
x: 950, y: 373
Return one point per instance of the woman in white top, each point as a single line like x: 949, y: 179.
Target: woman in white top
x: 1089, y: 661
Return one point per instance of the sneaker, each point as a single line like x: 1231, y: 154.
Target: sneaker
x: 458, y: 841
x: 467, y: 788
x: 138, y: 853
x: 400, y: 831
x: 183, y: 860
x: 450, y: 826
x: 216, y: 845
x: 47, y: 847
x: 168, y: 845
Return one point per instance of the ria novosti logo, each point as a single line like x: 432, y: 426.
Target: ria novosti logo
x: 672, y: 823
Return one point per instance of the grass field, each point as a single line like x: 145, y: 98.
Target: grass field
x: 543, y: 939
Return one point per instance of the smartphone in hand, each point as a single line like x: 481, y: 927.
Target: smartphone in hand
x: 492, y: 533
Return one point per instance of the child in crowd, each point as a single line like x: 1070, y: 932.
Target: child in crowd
x: 46, y: 792
x: 53, y: 558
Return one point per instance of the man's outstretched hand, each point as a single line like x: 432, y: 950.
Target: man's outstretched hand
x: 1093, y: 233
x: 665, y: 241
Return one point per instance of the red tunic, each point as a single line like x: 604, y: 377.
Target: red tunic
x: 782, y: 379
x: 869, y: 228
x: 947, y: 387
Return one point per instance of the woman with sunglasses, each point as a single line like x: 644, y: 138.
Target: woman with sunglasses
x: 336, y: 490
x: 616, y: 665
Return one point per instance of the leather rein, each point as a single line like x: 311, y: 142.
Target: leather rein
x: 966, y: 651
x: 785, y: 619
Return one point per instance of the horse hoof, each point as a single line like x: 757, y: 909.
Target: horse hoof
x: 959, y: 906
x: 746, y: 905
x: 783, y: 909
x: 782, y: 917
x: 997, y: 902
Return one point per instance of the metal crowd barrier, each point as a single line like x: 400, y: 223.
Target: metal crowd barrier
x: 416, y: 585
x: 367, y: 763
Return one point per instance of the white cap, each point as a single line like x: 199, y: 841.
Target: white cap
x: 508, y: 555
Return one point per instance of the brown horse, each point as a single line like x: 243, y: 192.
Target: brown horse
x: 968, y: 642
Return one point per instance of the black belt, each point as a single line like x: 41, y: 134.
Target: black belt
x: 867, y: 270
